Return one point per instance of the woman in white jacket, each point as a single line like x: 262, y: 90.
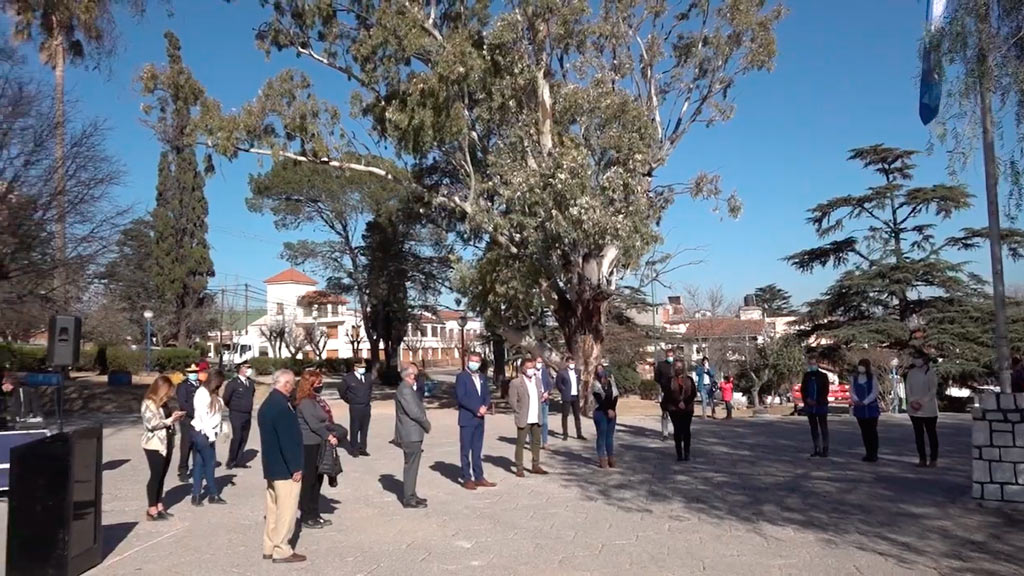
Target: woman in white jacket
x: 206, y: 426
x: 923, y: 406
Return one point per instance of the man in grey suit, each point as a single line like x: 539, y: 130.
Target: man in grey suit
x: 412, y: 421
x: 526, y: 395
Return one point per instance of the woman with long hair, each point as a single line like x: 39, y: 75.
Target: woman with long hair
x: 864, y: 397
x: 606, y: 399
x: 678, y: 401
x: 158, y: 442
x: 923, y: 407
x: 206, y: 426
x: 317, y: 425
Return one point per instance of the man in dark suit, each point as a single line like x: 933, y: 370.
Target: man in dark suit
x: 185, y: 393
x: 281, y: 450
x: 412, y: 423
x: 418, y: 386
x: 357, y: 390
x: 547, y: 385
x: 238, y: 397
x: 473, y: 396
x: 568, y: 384
x: 663, y: 374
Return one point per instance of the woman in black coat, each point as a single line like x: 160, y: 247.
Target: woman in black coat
x: 678, y: 402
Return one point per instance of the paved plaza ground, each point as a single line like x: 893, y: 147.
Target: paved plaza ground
x: 751, y: 503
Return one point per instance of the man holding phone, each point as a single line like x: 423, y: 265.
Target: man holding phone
x: 281, y: 449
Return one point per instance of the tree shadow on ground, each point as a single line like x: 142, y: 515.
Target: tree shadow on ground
x: 756, y: 471
x: 448, y: 470
x: 114, y: 464
x: 114, y: 534
x: 391, y: 484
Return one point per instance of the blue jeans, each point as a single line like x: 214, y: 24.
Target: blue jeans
x: 706, y: 402
x: 544, y: 424
x: 605, y: 434
x: 204, y: 459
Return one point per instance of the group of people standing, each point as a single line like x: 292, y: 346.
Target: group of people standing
x: 921, y: 385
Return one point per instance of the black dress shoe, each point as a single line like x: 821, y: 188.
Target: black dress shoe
x: 166, y: 513
x: 314, y: 524
x: 217, y: 500
x: 324, y: 521
x: 230, y: 465
x: 415, y: 504
x: 364, y: 453
x: 156, y: 517
x: 420, y: 498
x: 581, y: 437
x: 184, y: 478
x: 197, y: 501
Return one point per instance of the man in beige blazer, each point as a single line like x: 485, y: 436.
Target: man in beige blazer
x: 525, y: 396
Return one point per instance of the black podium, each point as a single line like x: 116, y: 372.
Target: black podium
x: 54, y: 524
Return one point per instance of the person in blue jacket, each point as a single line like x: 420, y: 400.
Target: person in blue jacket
x: 473, y: 396
x: 814, y: 391
x: 864, y: 398
x: 548, y: 385
x: 706, y: 384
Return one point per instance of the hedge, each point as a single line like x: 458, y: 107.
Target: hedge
x: 627, y: 379
x: 20, y: 358
x: 120, y: 358
x: 264, y: 365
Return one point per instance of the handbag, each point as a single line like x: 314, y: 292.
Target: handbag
x: 329, y: 463
x: 225, y: 429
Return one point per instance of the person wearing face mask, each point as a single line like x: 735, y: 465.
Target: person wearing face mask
x: 413, y: 425
x: 185, y: 393
x: 568, y: 384
x: 606, y: 400
x: 317, y: 427
x: 238, y: 398
x: 814, y: 390
x: 664, y: 373
x: 547, y: 385
x: 356, y: 389
x: 525, y: 396
x: 473, y: 397
x: 864, y: 397
x: 706, y: 384
x: 923, y: 407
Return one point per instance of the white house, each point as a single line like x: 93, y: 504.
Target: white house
x: 294, y: 301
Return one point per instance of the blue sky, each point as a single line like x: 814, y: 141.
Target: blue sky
x: 845, y: 77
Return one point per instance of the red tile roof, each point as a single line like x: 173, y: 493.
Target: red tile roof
x: 722, y: 327
x: 322, y: 297
x: 290, y: 276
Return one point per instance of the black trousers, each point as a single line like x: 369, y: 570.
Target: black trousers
x: 312, y: 481
x: 241, y: 422
x: 572, y: 403
x: 359, y: 424
x: 819, y: 431
x: 923, y: 424
x: 159, y: 464
x: 184, y: 445
x: 728, y: 410
x: 681, y: 422
x: 869, y: 433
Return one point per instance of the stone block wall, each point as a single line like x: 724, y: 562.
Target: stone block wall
x: 998, y: 440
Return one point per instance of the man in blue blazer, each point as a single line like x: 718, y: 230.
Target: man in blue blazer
x: 548, y: 385
x: 473, y: 396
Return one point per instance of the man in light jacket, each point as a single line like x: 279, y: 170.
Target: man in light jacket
x: 413, y: 424
x: 526, y: 395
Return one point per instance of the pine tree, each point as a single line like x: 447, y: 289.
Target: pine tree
x: 774, y: 300
x: 181, y: 255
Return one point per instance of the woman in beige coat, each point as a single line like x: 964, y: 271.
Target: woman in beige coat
x: 158, y: 442
x: 923, y: 407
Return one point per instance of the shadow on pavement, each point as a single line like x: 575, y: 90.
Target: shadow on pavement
x: 391, y: 484
x: 448, y: 470
x: 114, y: 464
x: 114, y: 534
x: 756, y: 471
x: 502, y: 462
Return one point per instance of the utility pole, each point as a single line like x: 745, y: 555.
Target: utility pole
x: 985, y: 88
x: 245, y: 318
x: 220, y: 333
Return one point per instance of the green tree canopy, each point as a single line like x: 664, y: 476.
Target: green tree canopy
x: 774, y: 300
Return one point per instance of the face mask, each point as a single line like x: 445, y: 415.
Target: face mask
x: 192, y: 377
x: 862, y: 369
x: 245, y: 372
x: 812, y: 367
x: 670, y: 359
x: 572, y: 366
x: 530, y: 372
x: 539, y: 364
x: 918, y: 362
x: 473, y: 366
x: 318, y: 389
x: 605, y: 363
x: 360, y: 371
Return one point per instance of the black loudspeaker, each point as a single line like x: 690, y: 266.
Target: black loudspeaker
x: 54, y: 525
x: 64, y: 341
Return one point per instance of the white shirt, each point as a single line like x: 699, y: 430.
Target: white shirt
x: 533, y: 416
x: 206, y: 421
x: 476, y: 380
x: 574, y: 389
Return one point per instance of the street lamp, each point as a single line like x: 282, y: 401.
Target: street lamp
x: 148, y: 315
x: 463, y: 320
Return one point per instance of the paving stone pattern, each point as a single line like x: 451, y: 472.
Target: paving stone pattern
x: 751, y: 503
x: 998, y: 438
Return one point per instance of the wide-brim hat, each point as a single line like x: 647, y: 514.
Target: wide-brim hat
x: 192, y: 368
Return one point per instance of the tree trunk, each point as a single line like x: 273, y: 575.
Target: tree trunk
x: 59, y: 179
x: 374, y: 347
x: 498, y: 351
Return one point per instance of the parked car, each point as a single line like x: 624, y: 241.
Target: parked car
x: 838, y: 394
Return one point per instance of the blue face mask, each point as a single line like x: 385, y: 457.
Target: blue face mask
x: 473, y: 365
x: 670, y: 359
x: 812, y: 367
x: 193, y: 377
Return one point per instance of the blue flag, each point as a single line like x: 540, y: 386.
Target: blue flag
x: 930, y: 98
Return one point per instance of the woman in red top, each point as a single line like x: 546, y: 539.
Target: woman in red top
x: 726, y: 388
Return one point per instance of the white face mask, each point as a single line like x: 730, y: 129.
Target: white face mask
x: 539, y: 364
x: 530, y: 372
x: 360, y: 371
x: 862, y: 370
x: 572, y: 366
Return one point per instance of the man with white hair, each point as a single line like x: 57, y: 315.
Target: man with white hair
x: 281, y: 449
x: 411, y: 418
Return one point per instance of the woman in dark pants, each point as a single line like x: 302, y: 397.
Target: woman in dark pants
x: 864, y: 397
x: 678, y: 402
x: 158, y: 442
x: 923, y: 407
x: 317, y: 426
x: 814, y: 390
x: 606, y: 399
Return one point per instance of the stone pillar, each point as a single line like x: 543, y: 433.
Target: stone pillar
x: 998, y: 439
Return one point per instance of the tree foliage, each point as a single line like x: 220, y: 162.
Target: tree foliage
x: 774, y: 301
x: 893, y: 267
x: 771, y: 366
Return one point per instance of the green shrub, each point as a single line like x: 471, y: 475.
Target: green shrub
x: 627, y: 379
x: 649, y: 390
x: 23, y: 358
x: 87, y: 359
x: 172, y: 359
x: 124, y: 359
x: 333, y: 365
x: 265, y: 366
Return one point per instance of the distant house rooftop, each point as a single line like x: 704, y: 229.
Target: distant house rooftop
x: 290, y: 276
